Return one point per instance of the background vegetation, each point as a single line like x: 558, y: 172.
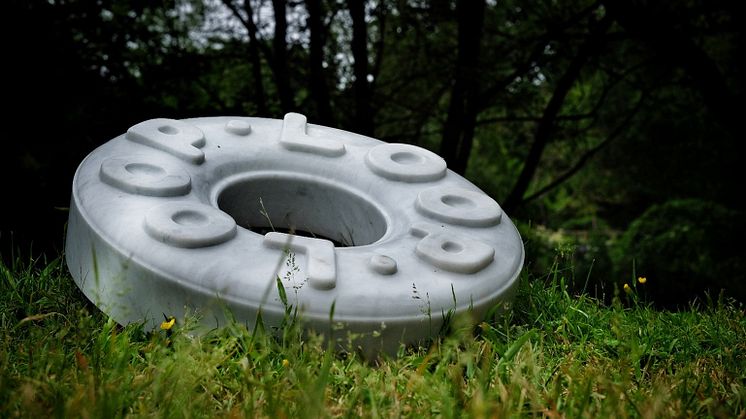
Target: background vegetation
x: 612, y: 129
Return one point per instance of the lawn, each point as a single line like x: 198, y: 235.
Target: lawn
x: 553, y: 354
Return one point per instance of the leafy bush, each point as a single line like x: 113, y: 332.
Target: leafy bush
x: 581, y: 255
x: 685, y: 248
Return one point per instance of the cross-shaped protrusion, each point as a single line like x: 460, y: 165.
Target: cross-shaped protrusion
x: 320, y: 258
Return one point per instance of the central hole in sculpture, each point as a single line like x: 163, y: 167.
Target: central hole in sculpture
x: 305, y: 208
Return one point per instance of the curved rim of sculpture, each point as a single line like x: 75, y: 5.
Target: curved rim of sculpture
x: 209, y: 211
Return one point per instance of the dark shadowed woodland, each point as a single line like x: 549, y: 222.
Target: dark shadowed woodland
x: 611, y: 132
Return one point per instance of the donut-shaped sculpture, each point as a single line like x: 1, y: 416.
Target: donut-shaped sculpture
x: 206, y: 215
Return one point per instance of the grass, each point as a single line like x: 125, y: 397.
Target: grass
x: 554, y: 354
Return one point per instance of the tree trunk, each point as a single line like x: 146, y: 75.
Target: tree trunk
x: 546, y: 125
x: 361, y: 87
x: 260, y: 98
x: 280, y: 61
x: 319, y: 89
x: 259, y: 95
x: 458, y: 132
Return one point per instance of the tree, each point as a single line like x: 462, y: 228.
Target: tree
x: 361, y: 85
x: 279, y: 59
x: 317, y: 80
x: 458, y: 131
x: 259, y: 96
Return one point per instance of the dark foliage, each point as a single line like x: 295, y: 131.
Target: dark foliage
x: 577, y: 116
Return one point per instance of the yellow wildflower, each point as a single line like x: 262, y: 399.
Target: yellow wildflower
x: 642, y: 279
x: 285, y: 363
x: 627, y: 288
x: 169, y: 323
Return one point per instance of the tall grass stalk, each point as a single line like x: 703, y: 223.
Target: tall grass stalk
x: 554, y: 354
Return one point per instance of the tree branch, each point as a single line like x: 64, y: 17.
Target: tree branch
x: 488, y: 94
x: 588, y: 154
x: 249, y: 24
x: 546, y: 125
